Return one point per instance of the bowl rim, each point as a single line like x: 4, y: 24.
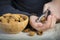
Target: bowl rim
x: 27, y: 18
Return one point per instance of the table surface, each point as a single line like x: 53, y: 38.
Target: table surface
x: 51, y: 34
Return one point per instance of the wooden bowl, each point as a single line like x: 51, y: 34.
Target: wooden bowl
x: 14, y: 26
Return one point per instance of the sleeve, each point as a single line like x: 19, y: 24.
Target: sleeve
x: 5, y: 7
x: 46, y: 1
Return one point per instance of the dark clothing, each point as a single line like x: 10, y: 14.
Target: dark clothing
x: 22, y: 6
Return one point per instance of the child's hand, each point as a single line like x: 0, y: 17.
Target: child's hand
x: 50, y: 23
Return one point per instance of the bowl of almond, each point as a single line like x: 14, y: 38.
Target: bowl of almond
x: 13, y: 23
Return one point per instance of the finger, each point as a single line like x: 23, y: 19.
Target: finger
x: 53, y: 21
x: 48, y: 22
